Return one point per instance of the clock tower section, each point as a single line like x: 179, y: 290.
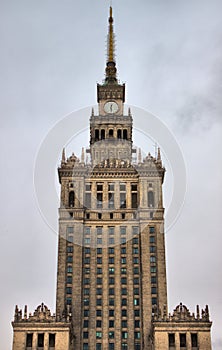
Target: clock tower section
x: 111, y: 129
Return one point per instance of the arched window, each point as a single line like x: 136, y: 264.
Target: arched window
x: 150, y: 199
x: 125, y: 134
x: 71, y: 199
x: 110, y: 132
x: 96, y: 135
x: 102, y: 134
x: 119, y: 133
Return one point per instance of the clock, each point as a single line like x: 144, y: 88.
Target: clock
x: 111, y: 107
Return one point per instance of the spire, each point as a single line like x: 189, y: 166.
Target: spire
x: 111, y: 64
x: 63, y: 156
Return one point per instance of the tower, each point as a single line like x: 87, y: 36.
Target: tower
x: 114, y: 275
x: 111, y: 274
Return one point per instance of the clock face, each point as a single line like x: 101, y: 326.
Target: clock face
x: 111, y: 107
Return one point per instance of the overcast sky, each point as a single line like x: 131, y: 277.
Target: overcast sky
x: 169, y: 54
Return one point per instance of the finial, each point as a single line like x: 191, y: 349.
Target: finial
x: 92, y: 112
x: 129, y: 112
x: 63, y: 156
x: 111, y: 65
x: 140, y: 156
x: 198, y: 312
x: 83, y: 155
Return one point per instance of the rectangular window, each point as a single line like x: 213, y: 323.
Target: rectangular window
x: 171, y: 339
x: 111, y: 346
x: 68, y: 290
x: 111, y: 280
x: 99, y: 187
x: 136, y: 260
x: 136, y: 291
x: 124, y: 302
x: 70, y: 238
x: 99, y: 313
x: 124, y: 291
x: 137, y: 313
x: 98, y: 323
x: 135, y: 230
x: 124, y: 335
x: 194, y: 342
x: 153, y: 279
x: 135, y: 251
x: 124, y: 324
x: 123, y: 260
x: 87, y: 240
x: 152, y: 229
x: 154, y: 301
x: 87, y: 270
x: 111, y: 230
x: 111, y: 323
x: 87, y: 230
x: 111, y: 250
x: 99, y: 250
x: 111, y: 270
x: 152, y: 239
x: 86, y: 313
x: 111, y: 313
x: 87, y: 250
x: 85, y: 346
x: 99, y: 280
x: 87, y: 260
x: 69, y: 269
x: 111, y: 302
x: 111, y: 202
x: 152, y: 249
x: 123, y: 200
x: 135, y: 240
x: 136, y: 302
x: 29, y: 339
x: 124, y: 313
x: 123, y: 230
x: 153, y: 290
x: 136, y: 270
x: 86, y: 302
x: 85, y: 324
x: 99, y: 302
x: 183, y: 340
x: 85, y: 335
x: 152, y: 259
x: 69, y: 249
x: 153, y: 269
x: 99, y: 346
x: 123, y: 270
x: 98, y: 291
x: 99, y: 240
x: 123, y: 250
x: 99, y: 270
x: 88, y: 200
x: 124, y: 346
x: 137, y: 346
x: 137, y: 335
x: 111, y: 260
x: 70, y: 229
x: 134, y: 200
x: 99, y: 200
x: 111, y: 335
x: 99, y: 260
x: 111, y: 240
x: 99, y: 230
x: 51, y: 340
x: 111, y: 291
x: 123, y: 280
x: 69, y: 279
x: 40, y: 340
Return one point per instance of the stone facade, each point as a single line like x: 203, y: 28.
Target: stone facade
x: 111, y: 276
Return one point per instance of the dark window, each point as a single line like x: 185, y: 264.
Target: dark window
x: 150, y: 199
x: 154, y: 301
x: 69, y: 249
x: 111, y: 240
x: 86, y: 313
x: 111, y: 270
x: 135, y: 240
x: 123, y: 216
x: 136, y: 280
x: 123, y: 270
x: 99, y: 270
x: 123, y: 260
x: 122, y: 200
x: 86, y: 302
x: 111, y: 346
x: 111, y: 302
x: 99, y: 260
x: 111, y: 280
x: 85, y: 346
x: 110, y: 132
x: 98, y: 302
x: 137, y: 335
x: 135, y: 230
x: 29, y: 338
x: 125, y: 134
x: 183, y: 340
x: 119, y: 133
x: 153, y: 279
x: 96, y: 134
x: 85, y: 324
x: 102, y: 134
x: 98, y: 335
x: 194, y: 341
x: 152, y: 249
x: 111, y: 187
x: 69, y: 279
x: 123, y: 250
x: 124, y: 313
x: 99, y: 200
x: 153, y: 290
x: 87, y: 270
x: 124, y: 335
x: 111, y: 260
x: 98, y: 346
x: 51, y: 340
x: 69, y: 258
x: 98, y: 291
x: 68, y: 290
x: 99, y: 323
x: 71, y: 199
x: 111, y: 200
x: 111, y: 313
x: 111, y: 250
x: 85, y: 335
x: 124, y: 324
x: 152, y: 229
x: 136, y: 260
x: 111, y: 230
x: 137, y: 346
x: 137, y: 313
x: 152, y: 259
x: 111, y: 215
x: 124, y: 291
x: 99, y: 280
x: 99, y: 250
x: 124, y: 302
x: 152, y: 239
x: 124, y: 346
x: 40, y: 340
x: 98, y: 312
x: 111, y: 291
x: 171, y: 338
x: 111, y: 335
x: 136, y: 270
x: 123, y: 230
x: 123, y: 280
x: 111, y: 323
x: 136, y: 291
x: 134, y: 200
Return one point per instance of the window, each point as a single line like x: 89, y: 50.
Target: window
x: 124, y: 324
x: 69, y: 249
x: 87, y: 270
x: 99, y: 270
x: 96, y: 134
x: 98, y: 346
x: 85, y: 324
x: 124, y: 302
x: 124, y: 313
x: 111, y: 323
x: 111, y: 313
x: 99, y: 302
x: 68, y: 290
x: 153, y: 290
x: 70, y: 238
x: 154, y: 301
x: 86, y: 313
x: 99, y: 260
x: 135, y: 251
x: 124, y: 346
x: 99, y: 323
x: 137, y: 335
x: 99, y: 230
x: 111, y: 230
x: 125, y: 134
x: 111, y: 302
x: 111, y: 240
x: 137, y: 313
x: 183, y: 341
x: 99, y: 280
x: 99, y: 200
x: 69, y: 258
x: 137, y: 346
x: 111, y: 335
x: 99, y: 240
x: 152, y: 239
x: 119, y: 133
x: 135, y: 240
x: 71, y: 199
x: 123, y: 250
x: 152, y: 259
x: 29, y: 338
x: 111, y: 291
x: 124, y: 291
x: 111, y: 250
x: 110, y: 132
x: 86, y: 302
x: 136, y: 302
x: 85, y: 346
x: 123, y: 270
x: 134, y: 196
x: 111, y: 260
x: 85, y: 335
x: 123, y: 260
x: 40, y: 340
x: 136, y: 260
x: 99, y: 250
x: 69, y: 269
x: 171, y: 339
x: 150, y: 199
x: 124, y: 335
x: 88, y: 199
x: 102, y: 138
x: 136, y: 291
x: 69, y: 301
x: 87, y: 240
x: 111, y: 280
x: 111, y: 270
x: 152, y: 249
x: 87, y: 230
x: 123, y: 280
x: 51, y: 340
x: 153, y: 269
x: 87, y: 260
x: 111, y: 346
x: 123, y: 240
x: 135, y: 230
x: 111, y: 200
x: 98, y: 312
x: 99, y: 216
x: 69, y: 279
x: 98, y: 291
x: 153, y: 279
x: 136, y: 270
x: 122, y: 200
x: 194, y: 342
